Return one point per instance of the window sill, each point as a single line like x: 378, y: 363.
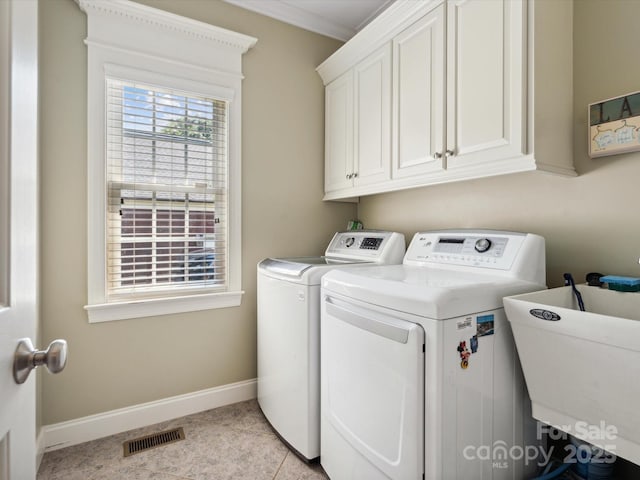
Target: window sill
x: 107, y: 312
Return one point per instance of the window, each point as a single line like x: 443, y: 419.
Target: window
x: 166, y: 183
x: 163, y: 162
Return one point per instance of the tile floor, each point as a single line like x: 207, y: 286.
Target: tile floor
x: 231, y: 442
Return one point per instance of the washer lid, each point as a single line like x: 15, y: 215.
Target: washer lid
x: 295, y: 268
x: 361, y: 247
x: 426, y: 292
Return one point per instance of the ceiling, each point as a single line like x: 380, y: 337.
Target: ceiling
x: 340, y: 19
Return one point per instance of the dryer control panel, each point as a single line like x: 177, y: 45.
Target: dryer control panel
x: 489, y: 249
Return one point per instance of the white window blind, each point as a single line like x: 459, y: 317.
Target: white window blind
x: 167, y: 191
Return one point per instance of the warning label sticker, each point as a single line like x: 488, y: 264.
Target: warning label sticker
x: 466, y: 323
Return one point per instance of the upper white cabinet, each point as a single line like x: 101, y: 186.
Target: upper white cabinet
x: 477, y: 88
x: 418, y: 97
x: 485, y: 82
x: 338, y: 140
x: 372, y: 120
x: 358, y: 124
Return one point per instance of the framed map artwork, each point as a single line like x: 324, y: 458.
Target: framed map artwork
x: 614, y: 125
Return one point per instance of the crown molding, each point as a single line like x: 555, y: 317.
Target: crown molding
x: 296, y: 16
x: 394, y: 19
x: 154, y: 17
x: 374, y: 14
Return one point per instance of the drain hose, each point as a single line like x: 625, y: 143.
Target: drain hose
x: 568, y: 280
x: 555, y: 473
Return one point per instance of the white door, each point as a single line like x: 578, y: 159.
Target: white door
x: 418, y: 97
x: 372, y: 122
x: 338, y: 149
x: 485, y: 81
x: 372, y: 392
x: 18, y: 230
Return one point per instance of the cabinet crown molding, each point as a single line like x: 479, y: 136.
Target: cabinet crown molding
x: 382, y: 29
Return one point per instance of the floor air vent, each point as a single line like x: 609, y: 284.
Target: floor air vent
x: 131, y: 447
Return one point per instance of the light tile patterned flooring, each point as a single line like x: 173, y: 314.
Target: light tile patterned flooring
x: 231, y: 442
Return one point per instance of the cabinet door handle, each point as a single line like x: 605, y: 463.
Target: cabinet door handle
x: 437, y: 155
x: 449, y: 153
x: 355, y: 175
x: 349, y: 176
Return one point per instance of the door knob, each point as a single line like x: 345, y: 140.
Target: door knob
x: 26, y: 358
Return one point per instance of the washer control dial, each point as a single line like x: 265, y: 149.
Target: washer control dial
x: 482, y: 245
x: 350, y: 241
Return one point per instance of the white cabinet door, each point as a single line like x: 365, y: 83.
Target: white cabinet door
x: 338, y: 166
x: 418, y: 97
x: 373, y: 118
x: 485, y: 81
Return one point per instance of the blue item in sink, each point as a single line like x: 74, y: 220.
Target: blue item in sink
x: 622, y: 284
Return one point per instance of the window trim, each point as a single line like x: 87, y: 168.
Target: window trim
x: 139, y: 43
x: 152, y: 307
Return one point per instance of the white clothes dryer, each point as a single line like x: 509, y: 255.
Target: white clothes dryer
x: 419, y: 373
x: 288, y: 307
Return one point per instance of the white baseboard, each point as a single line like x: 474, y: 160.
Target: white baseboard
x: 39, y: 448
x: 80, y: 430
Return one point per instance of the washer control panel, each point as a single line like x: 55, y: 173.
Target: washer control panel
x: 486, y: 249
x: 368, y: 245
x: 354, y: 241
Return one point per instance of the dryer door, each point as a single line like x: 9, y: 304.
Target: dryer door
x: 372, y: 371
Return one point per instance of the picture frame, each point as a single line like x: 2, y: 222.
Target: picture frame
x: 614, y: 125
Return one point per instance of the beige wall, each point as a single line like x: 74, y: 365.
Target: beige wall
x: 117, y: 364
x: 589, y: 222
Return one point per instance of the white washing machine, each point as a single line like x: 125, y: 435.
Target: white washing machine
x: 289, y: 331
x: 419, y: 373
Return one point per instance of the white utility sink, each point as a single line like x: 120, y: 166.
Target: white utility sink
x: 582, y: 369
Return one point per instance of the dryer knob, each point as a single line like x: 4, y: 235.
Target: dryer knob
x: 482, y: 245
